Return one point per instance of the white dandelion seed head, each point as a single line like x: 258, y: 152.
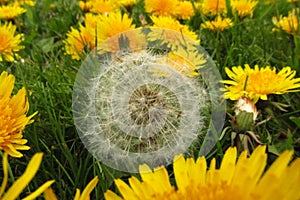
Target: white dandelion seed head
x: 137, y: 105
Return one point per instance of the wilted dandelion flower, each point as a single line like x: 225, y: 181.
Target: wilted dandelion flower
x: 213, y: 7
x: 18, y: 186
x: 13, y: 117
x: 218, y: 24
x: 241, y: 179
x: 289, y: 24
x: 257, y: 83
x: 85, y: 195
x: 243, y: 7
x: 9, y: 42
x: 11, y: 11
x: 162, y: 8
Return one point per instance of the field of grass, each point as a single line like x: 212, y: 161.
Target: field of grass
x: 48, y: 75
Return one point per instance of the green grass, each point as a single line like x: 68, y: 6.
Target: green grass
x: 48, y: 75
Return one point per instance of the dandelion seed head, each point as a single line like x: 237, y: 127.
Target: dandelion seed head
x: 141, y: 108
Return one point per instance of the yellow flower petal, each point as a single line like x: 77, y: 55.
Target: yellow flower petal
x: 88, y: 189
x: 5, y: 174
x: 39, y: 191
x: 18, y: 186
x: 125, y: 190
x: 49, y: 194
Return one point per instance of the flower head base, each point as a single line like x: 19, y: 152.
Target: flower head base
x: 257, y: 83
x: 15, y: 190
x: 289, y: 24
x: 243, y: 7
x: 13, y: 117
x: 218, y: 24
x: 10, y: 12
x: 9, y: 43
x: 242, y: 179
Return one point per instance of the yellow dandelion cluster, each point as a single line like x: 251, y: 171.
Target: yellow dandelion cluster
x: 13, y: 117
x: 257, y: 83
x: 219, y: 24
x: 289, y: 24
x: 97, y: 29
x: 243, y: 7
x: 9, y: 42
x: 241, y: 179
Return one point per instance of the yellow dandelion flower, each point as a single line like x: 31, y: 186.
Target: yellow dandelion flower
x: 13, y: 117
x: 184, y: 10
x: 22, y: 2
x: 173, y: 24
x: 9, y: 42
x: 218, y: 24
x: 9, y: 12
x: 104, y: 6
x: 85, y: 6
x: 213, y: 7
x: 241, y: 179
x: 257, y: 83
x: 159, y: 7
x: 179, y: 63
x: 15, y: 190
x: 78, y: 41
x: 289, y: 24
x: 127, y: 3
x: 50, y: 195
x: 243, y: 7
x: 113, y: 24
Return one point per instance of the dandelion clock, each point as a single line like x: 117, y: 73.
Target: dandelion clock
x: 146, y: 95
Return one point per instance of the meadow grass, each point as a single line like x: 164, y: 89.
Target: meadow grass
x: 48, y: 75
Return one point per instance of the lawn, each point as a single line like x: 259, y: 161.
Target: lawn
x: 220, y: 75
